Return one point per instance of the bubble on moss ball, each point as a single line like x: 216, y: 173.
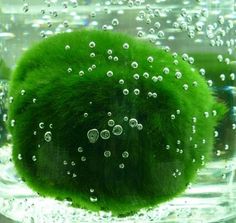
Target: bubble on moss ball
x: 117, y: 130
x: 80, y: 149
x: 92, y: 44
x: 105, y: 134
x: 125, y: 154
x: 134, y: 64
x: 111, y: 122
x: 93, y: 135
x: 126, y: 91
x: 126, y: 46
x: 109, y: 73
x: 133, y: 122
x: 107, y: 153
x: 48, y: 136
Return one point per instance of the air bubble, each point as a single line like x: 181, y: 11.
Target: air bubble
x: 133, y: 122
x: 93, y: 199
x: 150, y: 59
x: 111, y: 122
x: 139, y: 127
x: 41, y: 125
x: 19, y: 156
x: 134, y: 64
x: 67, y: 47
x: 48, y: 136
x: 125, y: 91
x: 80, y: 149
x: 105, y: 134
x: 109, y: 73
x: 107, y: 153
x: 117, y: 130
x: 92, y: 44
x: 115, y: 22
x: 93, y: 135
x: 122, y: 166
x: 125, y: 154
x: 83, y: 158
x: 136, y: 91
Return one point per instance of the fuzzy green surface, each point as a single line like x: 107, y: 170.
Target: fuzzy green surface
x: 151, y: 172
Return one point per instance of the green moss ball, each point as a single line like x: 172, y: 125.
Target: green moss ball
x: 109, y: 122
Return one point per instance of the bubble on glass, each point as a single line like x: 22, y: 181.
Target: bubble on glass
x: 136, y: 91
x: 126, y: 46
x: 115, y: 22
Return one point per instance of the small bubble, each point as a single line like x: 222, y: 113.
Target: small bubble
x: 150, y: 59
x: 126, y: 46
x: 48, y: 136
x: 41, y: 125
x: 22, y: 92
x: 111, y: 122
x: 121, y: 81
x: 92, y: 55
x: 92, y: 44
x: 109, y: 73
x: 67, y: 47
x: 69, y: 70
x: 136, y: 91
x: 178, y: 75
x: 81, y: 73
x: 125, y: 154
x: 139, y: 127
x: 115, y: 58
x: 105, y: 134
x: 146, y: 75
x: 185, y: 87
x: 72, y: 163
x: 109, y: 51
x: 125, y: 91
x: 134, y: 64
x: 13, y: 123
x: 93, y: 199
x: 19, y: 156
x: 122, y: 166
x: 133, y: 122
x: 115, y: 22
x: 125, y: 118
x: 107, y: 153
x: 117, y: 130
x: 109, y: 113
x: 91, y: 190
x: 65, y: 163
x: 166, y: 70
x: 34, y: 158
x: 85, y: 114
x: 136, y: 76
x: 80, y: 149
x: 93, y: 135
x: 83, y: 158
x: 172, y: 116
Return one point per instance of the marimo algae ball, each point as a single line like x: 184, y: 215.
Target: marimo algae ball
x: 109, y: 122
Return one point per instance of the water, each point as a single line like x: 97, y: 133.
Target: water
x: 190, y: 28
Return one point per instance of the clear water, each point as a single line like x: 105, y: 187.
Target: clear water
x: 185, y: 27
